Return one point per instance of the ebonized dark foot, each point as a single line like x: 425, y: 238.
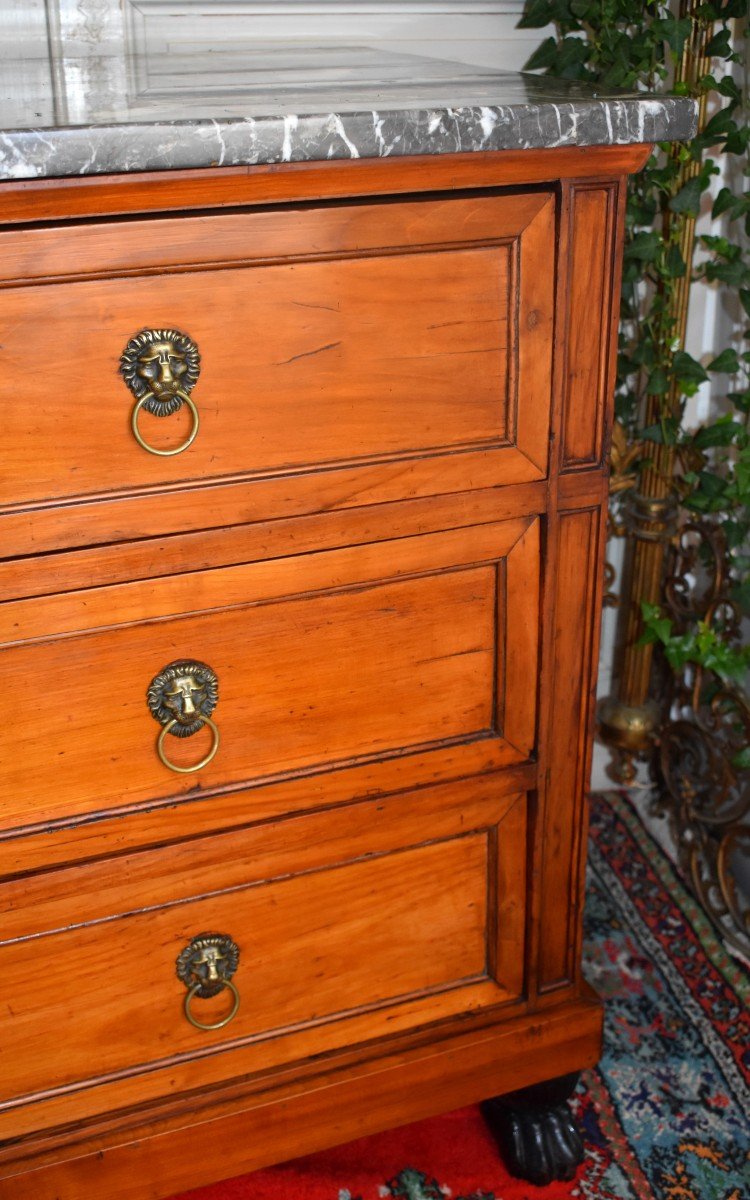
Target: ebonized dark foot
x: 535, y: 1131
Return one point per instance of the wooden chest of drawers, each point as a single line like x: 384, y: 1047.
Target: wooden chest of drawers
x: 353, y: 555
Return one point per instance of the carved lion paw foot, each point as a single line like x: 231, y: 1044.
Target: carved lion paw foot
x: 540, y: 1144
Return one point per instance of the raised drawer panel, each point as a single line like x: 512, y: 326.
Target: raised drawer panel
x: 377, y: 340
x: 324, y: 660
x: 593, y: 305
x: 329, y: 936
x: 301, y: 365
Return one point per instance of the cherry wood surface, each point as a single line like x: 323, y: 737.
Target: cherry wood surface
x: 93, y: 905
x: 184, y: 507
x: 151, y: 558
x: 389, y: 332
x: 592, y: 264
x: 326, y: 929
x: 27, y: 201
x: 442, y: 629
x: 399, y: 591
x: 241, y: 1131
x: 184, y: 244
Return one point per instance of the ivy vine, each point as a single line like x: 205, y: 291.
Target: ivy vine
x: 638, y: 45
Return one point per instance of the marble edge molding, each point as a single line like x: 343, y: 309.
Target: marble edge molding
x: 129, y: 146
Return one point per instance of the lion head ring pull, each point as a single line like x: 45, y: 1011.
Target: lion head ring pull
x: 181, y: 698
x: 161, y: 367
x: 206, y: 967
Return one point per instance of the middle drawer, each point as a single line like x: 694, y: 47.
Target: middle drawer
x: 304, y: 664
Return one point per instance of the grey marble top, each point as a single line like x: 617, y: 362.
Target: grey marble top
x: 281, y: 103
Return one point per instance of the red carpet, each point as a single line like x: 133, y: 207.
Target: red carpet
x: 457, y: 1149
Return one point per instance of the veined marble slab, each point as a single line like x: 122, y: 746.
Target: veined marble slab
x: 280, y: 103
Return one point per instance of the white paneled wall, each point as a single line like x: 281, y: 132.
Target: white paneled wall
x: 24, y: 62
x: 477, y: 31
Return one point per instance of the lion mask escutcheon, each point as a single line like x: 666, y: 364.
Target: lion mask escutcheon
x: 184, y: 692
x: 159, y: 364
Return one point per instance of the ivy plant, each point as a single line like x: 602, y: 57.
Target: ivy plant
x: 639, y: 45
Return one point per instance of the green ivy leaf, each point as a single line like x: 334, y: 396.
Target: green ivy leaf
x: 674, y: 263
x: 658, y: 382
x: 674, y: 30
x: 664, y: 434
x: 720, y: 45
x: 688, y: 199
x: 737, y: 140
x: 712, y: 485
x: 644, y: 354
x: 741, y: 593
x: 741, y: 760
x: 740, y: 400
x: 721, y: 433
x: 733, y: 8
x: 728, y: 87
x: 720, y: 122
x: 721, y: 246
x: 727, y: 362
x: 656, y: 627
x: 644, y: 247
x: 729, y: 201
x: 736, y: 274
x: 688, y: 369
x: 543, y: 56
x: 537, y: 14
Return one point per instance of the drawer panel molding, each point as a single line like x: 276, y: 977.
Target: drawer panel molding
x: 396, y: 353
x: 324, y: 927
x: 326, y: 661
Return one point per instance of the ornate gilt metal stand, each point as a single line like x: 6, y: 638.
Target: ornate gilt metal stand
x: 705, y: 796
x: 628, y: 720
x: 691, y: 726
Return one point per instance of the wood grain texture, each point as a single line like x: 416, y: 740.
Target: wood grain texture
x: 576, y: 624
x: 300, y: 367
x: 29, y: 530
x: 106, y: 835
x: 400, y: 593
x: 297, y: 966
x: 300, y: 647
x: 209, y: 1143
x: 212, y: 241
x: 151, y: 558
x: 162, y: 191
x: 322, y: 951
x: 592, y: 213
x: 389, y: 334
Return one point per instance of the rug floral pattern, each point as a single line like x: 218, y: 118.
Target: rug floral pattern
x: 666, y: 1114
x: 672, y: 1092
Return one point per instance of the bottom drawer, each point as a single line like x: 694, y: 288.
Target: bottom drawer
x: 343, y: 926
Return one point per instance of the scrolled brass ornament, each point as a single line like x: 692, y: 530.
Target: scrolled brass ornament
x: 161, y: 368
x: 182, y: 698
x: 704, y: 791
x: 206, y: 966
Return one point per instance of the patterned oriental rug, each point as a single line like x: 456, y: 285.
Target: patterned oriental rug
x: 666, y: 1115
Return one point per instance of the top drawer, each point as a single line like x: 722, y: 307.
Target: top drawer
x: 348, y: 354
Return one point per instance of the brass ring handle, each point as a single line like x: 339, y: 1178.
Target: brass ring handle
x: 208, y: 1025
x: 160, y: 367
x: 170, y: 725
x: 206, y: 966
x: 177, y: 449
